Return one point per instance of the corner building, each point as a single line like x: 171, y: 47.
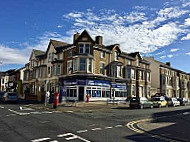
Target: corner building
x: 91, y: 68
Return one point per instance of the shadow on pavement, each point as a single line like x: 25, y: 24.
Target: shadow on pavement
x: 174, y: 125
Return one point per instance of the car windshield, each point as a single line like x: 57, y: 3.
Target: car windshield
x: 134, y: 100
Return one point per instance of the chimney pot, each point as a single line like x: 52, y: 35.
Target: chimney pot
x: 99, y: 40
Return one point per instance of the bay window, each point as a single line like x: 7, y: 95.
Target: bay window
x: 58, y: 69
x: 90, y: 65
x: 69, y: 67
x: 84, y: 48
x: 132, y: 73
x: 75, y: 64
x: 82, y: 64
x: 81, y: 48
x: 87, y: 47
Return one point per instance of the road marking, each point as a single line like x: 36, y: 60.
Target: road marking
x: 94, y: 129
x: 117, y: 126
x: 92, y: 125
x: 2, y: 107
x: 186, y: 113
x: 18, y: 112
x: 108, y: 127
x: 54, y: 141
x: 40, y: 140
x: 11, y: 115
x: 72, y: 136
x: 25, y: 108
x: 82, y: 131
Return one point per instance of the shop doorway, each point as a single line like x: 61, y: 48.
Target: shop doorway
x: 81, y: 93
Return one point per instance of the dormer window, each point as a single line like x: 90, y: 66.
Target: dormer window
x: 116, y: 56
x: 81, y: 48
x: 87, y: 46
x: 137, y: 62
x: 84, y: 48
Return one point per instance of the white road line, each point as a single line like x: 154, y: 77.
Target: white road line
x: 40, y: 140
x: 92, y: 125
x: 72, y: 137
x: 2, y: 107
x: 117, y: 126
x: 64, y: 135
x: 36, y: 112
x: 94, y: 129
x: 70, y: 111
x: 108, y: 127
x: 18, y: 112
x: 54, y: 141
x: 82, y: 131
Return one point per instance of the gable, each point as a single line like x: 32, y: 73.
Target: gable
x: 116, y: 48
x: 32, y: 56
x: 84, y: 37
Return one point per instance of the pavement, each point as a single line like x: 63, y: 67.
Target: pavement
x: 84, y: 123
x: 174, y: 127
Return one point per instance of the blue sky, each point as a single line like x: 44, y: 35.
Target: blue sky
x: 159, y: 28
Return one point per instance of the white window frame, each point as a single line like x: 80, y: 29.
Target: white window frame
x: 84, y: 48
x: 116, y: 56
x: 75, y: 64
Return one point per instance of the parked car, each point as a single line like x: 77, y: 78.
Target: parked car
x: 169, y: 101
x: 10, y: 97
x: 142, y: 102
x: 183, y: 101
x: 175, y: 102
x: 159, y: 102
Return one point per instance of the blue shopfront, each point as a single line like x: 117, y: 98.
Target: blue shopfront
x: 98, y: 90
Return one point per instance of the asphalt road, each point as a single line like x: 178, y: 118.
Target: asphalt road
x: 109, y: 125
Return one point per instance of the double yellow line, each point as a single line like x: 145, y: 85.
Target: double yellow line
x: 131, y: 124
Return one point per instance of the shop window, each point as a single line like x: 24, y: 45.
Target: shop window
x: 107, y: 94
x: 103, y: 93
x: 82, y: 64
x: 93, y: 93
x: 98, y: 93
x: 88, y: 92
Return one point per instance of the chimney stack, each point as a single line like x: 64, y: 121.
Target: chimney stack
x: 75, y: 36
x: 168, y: 63
x: 99, y: 40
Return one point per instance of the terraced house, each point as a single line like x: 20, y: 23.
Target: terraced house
x: 87, y: 67
x: 165, y: 79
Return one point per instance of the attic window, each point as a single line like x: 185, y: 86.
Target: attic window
x: 70, y: 53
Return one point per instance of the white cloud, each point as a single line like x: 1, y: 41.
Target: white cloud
x: 174, y: 50
x: 162, y: 57
x: 187, y: 22
x: 59, y: 26
x: 146, y: 37
x: 10, y: 55
x: 187, y: 37
x: 188, y: 53
x: 170, y: 56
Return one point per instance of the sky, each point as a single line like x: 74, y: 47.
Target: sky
x: 158, y: 28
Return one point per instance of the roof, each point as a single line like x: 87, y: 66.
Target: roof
x: 110, y: 47
x: 58, y: 43
x: 134, y: 54
x: 38, y: 52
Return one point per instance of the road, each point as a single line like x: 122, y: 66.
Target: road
x: 19, y: 123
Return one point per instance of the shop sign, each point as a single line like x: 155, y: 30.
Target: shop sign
x: 121, y: 86
x: 70, y: 82
x: 98, y: 83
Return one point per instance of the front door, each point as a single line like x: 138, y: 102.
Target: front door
x: 81, y: 93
